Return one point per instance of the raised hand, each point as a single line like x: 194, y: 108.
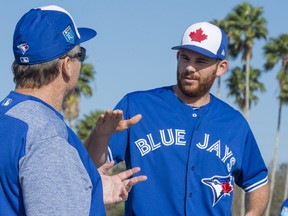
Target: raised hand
x: 116, y: 188
x: 112, y: 122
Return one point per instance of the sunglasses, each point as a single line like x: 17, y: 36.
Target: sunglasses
x: 80, y: 55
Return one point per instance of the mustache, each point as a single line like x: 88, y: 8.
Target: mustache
x: 189, y: 75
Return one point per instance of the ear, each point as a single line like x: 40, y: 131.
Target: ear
x: 66, y: 69
x: 222, y: 67
x: 177, y: 55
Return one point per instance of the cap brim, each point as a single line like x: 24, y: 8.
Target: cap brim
x: 86, y: 34
x: 197, y: 49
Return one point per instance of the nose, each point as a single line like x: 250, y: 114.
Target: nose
x: 190, y: 68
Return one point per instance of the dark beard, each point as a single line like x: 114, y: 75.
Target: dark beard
x: 202, y: 89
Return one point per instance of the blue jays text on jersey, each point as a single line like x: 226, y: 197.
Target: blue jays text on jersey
x: 192, y: 156
x: 177, y: 137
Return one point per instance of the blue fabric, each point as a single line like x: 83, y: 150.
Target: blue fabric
x: 43, y: 164
x: 46, y: 33
x: 192, y: 156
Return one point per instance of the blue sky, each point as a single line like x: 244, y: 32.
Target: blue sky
x: 132, y: 51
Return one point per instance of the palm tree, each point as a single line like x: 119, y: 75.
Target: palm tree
x: 237, y: 89
x: 236, y: 85
x: 286, y: 184
x: 85, y: 125
x: 276, y: 50
x: 223, y: 24
x: 245, y: 24
x: 72, y: 102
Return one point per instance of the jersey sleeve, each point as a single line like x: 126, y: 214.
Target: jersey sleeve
x: 54, y: 180
x: 254, y: 173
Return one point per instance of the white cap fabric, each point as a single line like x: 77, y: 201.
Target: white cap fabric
x: 205, y: 38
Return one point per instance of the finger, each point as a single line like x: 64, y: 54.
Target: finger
x: 135, y: 180
x: 105, y: 167
x: 107, y: 115
x: 124, y: 195
x: 128, y: 173
x: 118, y: 113
x: 135, y: 119
x: 100, y: 118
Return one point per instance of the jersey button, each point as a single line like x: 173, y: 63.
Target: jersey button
x: 194, y: 115
x: 190, y: 194
x: 193, y: 168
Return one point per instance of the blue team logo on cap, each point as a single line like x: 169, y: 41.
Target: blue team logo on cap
x: 69, y: 34
x: 23, y: 47
x: 220, y: 185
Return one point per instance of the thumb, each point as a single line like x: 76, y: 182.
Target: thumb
x: 135, y: 119
x: 105, y: 167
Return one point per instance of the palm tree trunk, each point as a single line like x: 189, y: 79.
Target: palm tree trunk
x: 246, y: 115
x: 218, y: 87
x: 247, y: 86
x: 286, y: 184
x: 275, y: 159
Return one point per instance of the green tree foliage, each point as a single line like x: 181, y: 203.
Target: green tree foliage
x: 242, y: 26
x: 276, y: 51
x: 236, y: 85
x: 245, y: 24
x: 84, y: 127
x: 86, y: 124
x: 223, y: 24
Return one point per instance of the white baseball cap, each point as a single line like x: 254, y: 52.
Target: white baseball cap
x: 205, y: 38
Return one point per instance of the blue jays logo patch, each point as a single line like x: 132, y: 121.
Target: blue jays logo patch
x: 69, y: 34
x: 23, y: 47
x: 220, y: 186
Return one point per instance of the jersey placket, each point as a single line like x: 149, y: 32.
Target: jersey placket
x: 192, y: 188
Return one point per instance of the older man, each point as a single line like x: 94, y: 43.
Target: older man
x: 44, y: 167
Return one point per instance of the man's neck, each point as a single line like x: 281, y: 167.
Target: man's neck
x: 191, y: 101
x: 49, y: 94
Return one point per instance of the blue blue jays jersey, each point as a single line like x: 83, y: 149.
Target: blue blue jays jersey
x: 193, y: 157
x: 44, y: 167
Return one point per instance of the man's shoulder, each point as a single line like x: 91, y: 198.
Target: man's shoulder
x: 224, y: 106
x: 150, y: 92
x: 41, y: 119
x: 220, y: 107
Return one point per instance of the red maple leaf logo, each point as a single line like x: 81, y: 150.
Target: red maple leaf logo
x: 226, y: 187
x: 198, y: 36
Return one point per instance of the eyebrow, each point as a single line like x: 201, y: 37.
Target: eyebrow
x: 203, y: 58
